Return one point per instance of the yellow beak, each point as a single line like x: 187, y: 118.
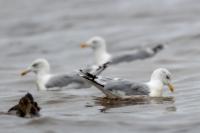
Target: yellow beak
x: 84, y: 45
x: 171, y: 87
x: 23, y: 73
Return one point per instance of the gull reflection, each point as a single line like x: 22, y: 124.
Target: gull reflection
x: 109, y: 103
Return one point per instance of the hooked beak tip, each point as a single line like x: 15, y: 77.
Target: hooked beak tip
x: 171, y: 87
x: 23, y: 73
x: 84, y: 45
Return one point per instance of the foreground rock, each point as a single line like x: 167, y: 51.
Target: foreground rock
x: 26, y: 107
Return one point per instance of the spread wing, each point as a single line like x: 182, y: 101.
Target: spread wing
x: 136, y: 55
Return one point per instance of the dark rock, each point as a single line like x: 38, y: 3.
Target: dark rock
x: 26, y: 107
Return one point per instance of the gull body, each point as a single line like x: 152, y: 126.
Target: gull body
x: 98, y: 45
x: 45, y: 80
x: 101, y: 55
x: 120, y: 87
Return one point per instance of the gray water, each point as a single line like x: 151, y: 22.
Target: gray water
x: 53, y: 29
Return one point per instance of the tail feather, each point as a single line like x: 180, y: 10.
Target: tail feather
x: 92, y: 79
x: 87, y: 75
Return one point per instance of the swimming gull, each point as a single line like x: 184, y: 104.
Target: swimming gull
x: 101, y: 56
x: 45, y: 80
x: 116, y: 87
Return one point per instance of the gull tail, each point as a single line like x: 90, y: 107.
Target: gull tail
x: 90, y: 78
x: 95, y: 81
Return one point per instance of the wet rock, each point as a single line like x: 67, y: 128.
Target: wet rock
x: 26, y: 107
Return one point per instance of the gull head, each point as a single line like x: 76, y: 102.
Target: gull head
x: 95, y: 43
x: 164, y: 76
x: 37, y: 66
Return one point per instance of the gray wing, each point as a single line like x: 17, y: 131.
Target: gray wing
x: 136, y: 55
x: 113, y: 87
x: 98, y: 82
x: 64, y: 80
x: 129, y: 88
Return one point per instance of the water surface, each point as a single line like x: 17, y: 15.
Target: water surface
x: 30, y: 29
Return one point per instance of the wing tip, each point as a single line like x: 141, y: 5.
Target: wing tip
x: 89, y: 77
x: 86, y: 75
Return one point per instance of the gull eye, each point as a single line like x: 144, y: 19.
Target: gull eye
x: 94, y: 42
x: 168, y: 77
x: 35, y: 65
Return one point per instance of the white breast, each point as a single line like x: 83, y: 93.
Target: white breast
x: 42, y: 80
x: 102, y: 59
x: 156, y: 88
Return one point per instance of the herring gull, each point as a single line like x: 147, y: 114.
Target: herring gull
x: 115, y: 88
x: 101, y: 55
x: 45, y: 80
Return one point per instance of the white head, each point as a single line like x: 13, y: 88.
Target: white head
x: 164, y: 76
x: 96, y: 43
x: 39, y: 66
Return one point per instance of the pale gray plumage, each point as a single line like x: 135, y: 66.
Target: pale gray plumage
x: 109, y: 86
x: 65, y: 80
x: 139, y: 54
x: 101, y: 55
x: 130, y: 88
x: 118, y: 87
x: 46, y: 80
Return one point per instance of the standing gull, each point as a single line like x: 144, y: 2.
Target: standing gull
x: 118, y: 87
x: 101, y: 56
x: 45, y: 80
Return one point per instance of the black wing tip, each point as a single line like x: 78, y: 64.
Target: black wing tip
x: 107, y: 63
x: 87, y: 75
x: 158, y: 48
